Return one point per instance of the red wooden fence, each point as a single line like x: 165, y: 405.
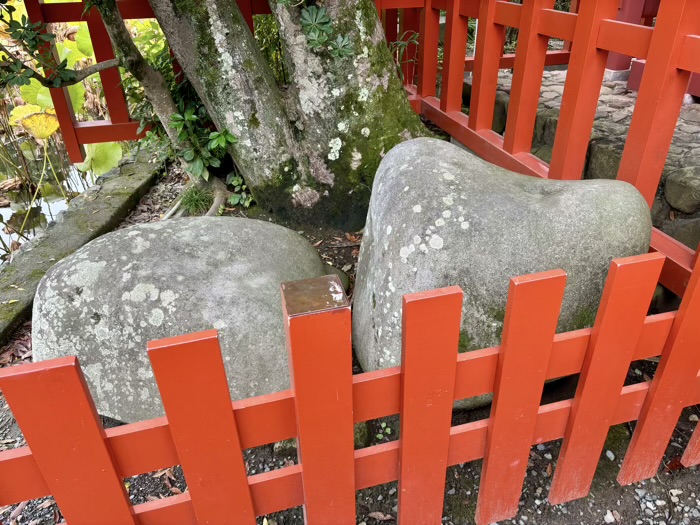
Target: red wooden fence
x: 83, y: 466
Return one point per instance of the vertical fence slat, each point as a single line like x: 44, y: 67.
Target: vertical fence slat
x: 490, y: 39
x: 660, y: 98
x: 317, y: 322
x: 530, y: 57
x: 431, y: 325
x: 194, y: 390
x: 456, y: 31
x: 410, y: 23
x: 391, y: 25
x: 626, y: 298
x: 428, y: 50
x: 670, y: 389
x: 532, y: 313
x: 53, y: 407
x: 111, y: 80
x: 581, y: 91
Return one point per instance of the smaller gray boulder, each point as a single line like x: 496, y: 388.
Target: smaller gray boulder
x: 683, y: 189
x: 151, y: 281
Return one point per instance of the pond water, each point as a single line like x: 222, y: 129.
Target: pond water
x: 56, y: 178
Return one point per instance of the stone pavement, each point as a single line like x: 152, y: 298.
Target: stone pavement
x: 677, y: 207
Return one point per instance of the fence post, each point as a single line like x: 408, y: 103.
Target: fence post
x: 532, y: 313
x: 453, y: 62
x: 581, y: 91
x: 428, y: 50
x: 490, y: 39
x: 410, y: 22
x: 530, y: 57
x: 623, y: 308
x: 431, y: 328
x: 660, y: 98
x: 53, y: 407
x: 670, y: 390
x: 317, y: 322
x: 194, y: 390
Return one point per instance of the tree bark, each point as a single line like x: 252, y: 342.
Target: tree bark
x: 309, y: 150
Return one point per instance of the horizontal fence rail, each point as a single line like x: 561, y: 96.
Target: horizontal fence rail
x: 83, y: 466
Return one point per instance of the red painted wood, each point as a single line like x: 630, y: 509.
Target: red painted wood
x: 320, y: 340
x: 630, y: 11
x: 670, y: 390
x: 490, y: 39
x: 410, y: 24
x: 111, y: 80
x: 148, y: 446
x: 391, y: 25
x: 680, y: 261
x: 532, y: 314
x: 431, y: 326
x: 660, y: 98
x: 623, y: 308
x: 530, y: 59
x: 59, y: 96
x: 53, y: 407
x: 453, y: 62
x: 198, y: 407
x: 428, y: 50
x: 629, y: 39
x: 580, y: 100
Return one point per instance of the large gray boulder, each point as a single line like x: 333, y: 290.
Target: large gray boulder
x: 440, y: 216
x: 107, y: 300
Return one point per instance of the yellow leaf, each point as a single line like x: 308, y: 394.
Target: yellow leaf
x: 19, y: 112
x: 40, y: 125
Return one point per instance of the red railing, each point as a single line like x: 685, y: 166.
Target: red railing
x: 671, y: 50
x: 71, y: 457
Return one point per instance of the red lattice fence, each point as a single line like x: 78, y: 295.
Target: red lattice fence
x: 71, y: 457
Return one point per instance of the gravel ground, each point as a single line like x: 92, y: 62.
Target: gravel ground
x: 671, y: 498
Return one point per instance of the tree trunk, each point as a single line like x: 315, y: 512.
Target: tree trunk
x: 308, y: 150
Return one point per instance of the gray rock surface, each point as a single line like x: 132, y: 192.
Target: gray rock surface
x: 107, y: 300
x: 97, y: 211
x: 440, y: 216
x: 683, y: 189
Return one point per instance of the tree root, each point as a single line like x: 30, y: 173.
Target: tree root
x: 221, y: 195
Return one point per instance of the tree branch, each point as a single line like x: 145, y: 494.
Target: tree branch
x: 80, y: 74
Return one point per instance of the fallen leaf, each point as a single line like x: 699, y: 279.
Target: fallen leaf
x: 380, y: 516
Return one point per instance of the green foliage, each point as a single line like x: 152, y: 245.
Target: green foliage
x: 101, y: 158
x: 384, y: 432
x: 35, y: 93
x: 34, y: 53
x: 196, y: 200
x: 207, y: 148
x: 317, y: 26
x: 341, y: 47
x: 241, y: 196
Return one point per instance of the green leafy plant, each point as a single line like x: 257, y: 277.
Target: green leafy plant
x: 341, y: 47
x: 207, y: 148
x: 384, y: 432
x: 241, y: 195
x: 196, y: 200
